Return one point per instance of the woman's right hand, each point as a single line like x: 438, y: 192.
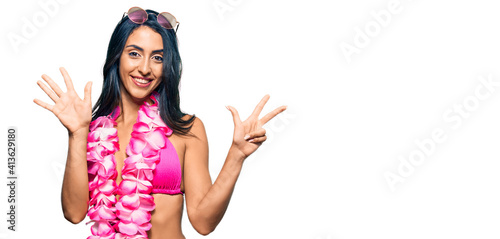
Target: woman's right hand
x: 74, y: 113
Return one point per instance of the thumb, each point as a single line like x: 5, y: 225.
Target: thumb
x: 87, y: 93
x: 236, y: 116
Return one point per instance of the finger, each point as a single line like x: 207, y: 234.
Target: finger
x: 43, y: 104
x: 255, y: 134
x: 272, y: 114
x: 258, y: 139
x: 260, y: 106
x: 67, y: 79
x: 48, y: 91
x: 52, y: 85
x: 236, y: 116
x: 87, y: 92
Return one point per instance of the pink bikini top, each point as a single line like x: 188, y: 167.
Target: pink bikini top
x: 168, y: 174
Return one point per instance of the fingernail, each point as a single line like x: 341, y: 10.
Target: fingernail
x: 246, y: 137
x: 250, y: 140
x: 227, y: 108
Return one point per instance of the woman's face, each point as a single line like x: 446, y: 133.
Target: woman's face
x: 141, y: 64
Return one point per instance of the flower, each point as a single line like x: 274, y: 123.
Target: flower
x: 102, y: 228
x: 131, y: 184
x: 101, y: 212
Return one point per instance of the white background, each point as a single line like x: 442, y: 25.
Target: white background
x: 321, y: 172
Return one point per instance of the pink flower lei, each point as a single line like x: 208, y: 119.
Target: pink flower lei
x: 130, y: 216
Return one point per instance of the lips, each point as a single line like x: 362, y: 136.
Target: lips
x: 141, y: 81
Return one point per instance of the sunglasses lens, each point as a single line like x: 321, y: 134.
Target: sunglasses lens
x: 137, y: 15
x: 166, y: 20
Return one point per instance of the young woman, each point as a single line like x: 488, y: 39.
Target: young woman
x: 135, y: 155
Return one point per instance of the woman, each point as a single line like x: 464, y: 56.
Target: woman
x: 142, y: 154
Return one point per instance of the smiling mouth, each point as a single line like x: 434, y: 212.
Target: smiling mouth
x: 142, y: 82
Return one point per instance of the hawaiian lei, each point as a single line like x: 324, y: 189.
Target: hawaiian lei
x: 130, y: 216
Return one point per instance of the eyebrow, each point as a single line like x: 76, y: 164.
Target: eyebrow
x: 140, y: 49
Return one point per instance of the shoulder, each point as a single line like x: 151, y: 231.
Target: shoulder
x: 197, y: 127
x: 197, y: 123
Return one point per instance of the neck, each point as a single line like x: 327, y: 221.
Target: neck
x: 129, y: 107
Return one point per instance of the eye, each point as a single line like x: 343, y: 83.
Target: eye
x: 133, y: 54
x: 158, y: 58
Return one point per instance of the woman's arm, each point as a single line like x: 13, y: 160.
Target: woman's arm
x: 75, y: 187
x: 207, y: 203
x: 75, y: 114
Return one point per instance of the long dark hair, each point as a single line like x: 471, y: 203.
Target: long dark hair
x: 169, y: 100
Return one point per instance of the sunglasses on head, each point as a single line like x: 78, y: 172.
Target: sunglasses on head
x: 139, y: 16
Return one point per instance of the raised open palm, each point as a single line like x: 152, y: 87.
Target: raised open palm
x: 252, y: 127
x: 74, y: 113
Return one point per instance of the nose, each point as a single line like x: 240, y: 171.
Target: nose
x: 144, y: 67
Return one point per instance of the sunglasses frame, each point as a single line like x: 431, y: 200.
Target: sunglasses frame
x: 177, y: 23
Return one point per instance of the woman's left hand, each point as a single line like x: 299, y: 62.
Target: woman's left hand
x: 249, y: 134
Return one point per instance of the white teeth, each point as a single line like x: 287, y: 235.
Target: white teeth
x: 142, y: 81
